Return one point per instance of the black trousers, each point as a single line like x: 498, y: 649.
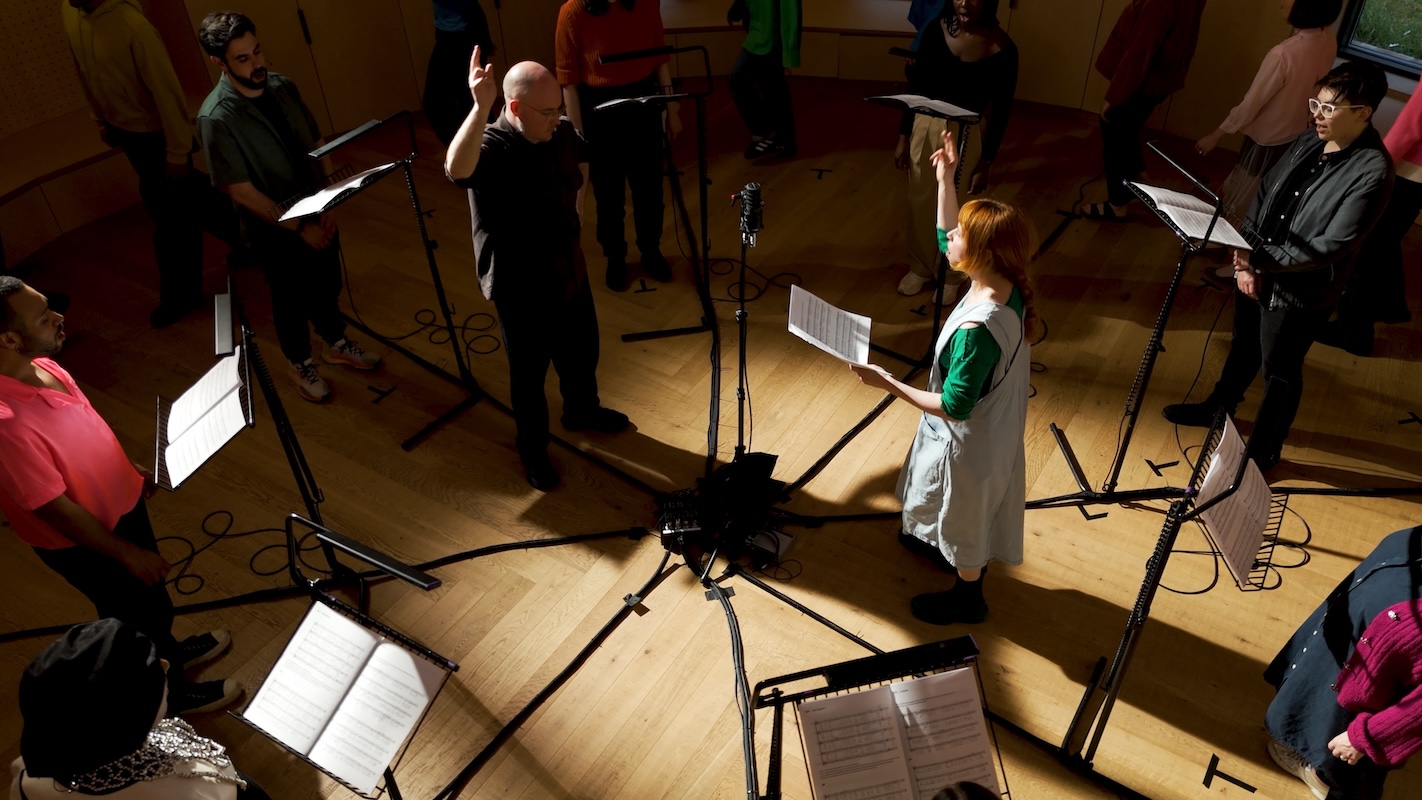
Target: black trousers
x: 625, y: 149
x: 113, y: 590
x: 762, y: 95
x: 539, y: 333
x: 305, y: 286
x: 1377, y: 291
x: 176, y: 208
x: 1276, y: 340
x: 1121, y: 145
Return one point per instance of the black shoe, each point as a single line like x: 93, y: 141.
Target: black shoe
x: 771, y: 150
x: 168, y: 313
x: 946, y: 608
x: 617, y: 274
x: 1193, y: 415
x: 600, y: 419
x: 540, y: 474
x: 201, y: 649
x: 656, y: 266
x: 923, y: 549
x: 195, y: 698
x: 1267, y: 462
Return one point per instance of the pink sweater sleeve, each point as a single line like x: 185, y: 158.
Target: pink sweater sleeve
x: 1267, y: 83
x: 1392, y: 735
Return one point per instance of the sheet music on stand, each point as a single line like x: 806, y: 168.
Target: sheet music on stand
x: 1244, y: 526
x: 347, y: 694
x: 202, y: 420
x: 1190, y: 218
x: 901, y: 725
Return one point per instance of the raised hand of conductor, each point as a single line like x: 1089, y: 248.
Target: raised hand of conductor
x: 481, y: 81
x: 945, y: 159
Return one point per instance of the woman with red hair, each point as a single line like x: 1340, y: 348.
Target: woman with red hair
x: 965, y: 481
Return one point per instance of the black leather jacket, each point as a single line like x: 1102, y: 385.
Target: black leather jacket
x: 1310, y: 266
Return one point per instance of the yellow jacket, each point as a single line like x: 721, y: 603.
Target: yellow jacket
x: 126, y: 73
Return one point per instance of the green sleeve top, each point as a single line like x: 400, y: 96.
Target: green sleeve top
x: 967, y: 364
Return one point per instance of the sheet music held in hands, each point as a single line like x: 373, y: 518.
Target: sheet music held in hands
x: 205, y: 418
x: 318, y: 202
x: 1237, y: 523
x: 1192, y: 216
x: 904, y: 741
x: 834, y: 330
x: 344, y: 696
x: 927, y: 105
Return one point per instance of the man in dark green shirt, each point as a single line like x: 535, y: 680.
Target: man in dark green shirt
x: 256, y: 133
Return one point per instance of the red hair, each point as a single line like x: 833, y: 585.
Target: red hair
x: 999, y: 237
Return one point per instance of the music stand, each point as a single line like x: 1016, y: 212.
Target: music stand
x: 848, y: 676
x: 325, y: 628
x: 213, y: 411
x: 464, y: 377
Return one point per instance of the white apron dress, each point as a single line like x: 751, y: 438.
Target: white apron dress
x: 964, y: 485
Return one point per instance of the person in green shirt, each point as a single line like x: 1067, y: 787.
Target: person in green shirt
x: 757, y: 80
x: 256, y: 132
x: 964, y: 484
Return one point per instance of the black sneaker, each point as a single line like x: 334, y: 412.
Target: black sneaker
x: 202, y: 648
x: 617, y: 274
x: 541, y: 474
x: 946, y: 608
x: 1193, y: 415
x: 195, y: 698
x: 656, y: 266
x: 600, y: 419
x: 758, y: 147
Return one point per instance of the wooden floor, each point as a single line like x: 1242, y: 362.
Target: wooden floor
x: 651, y: 714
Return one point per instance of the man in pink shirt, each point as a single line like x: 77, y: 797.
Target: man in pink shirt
x: 71, y: 493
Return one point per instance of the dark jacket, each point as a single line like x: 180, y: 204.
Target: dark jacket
x: 1310, y: 268
x: 1305, y: 714
x: 1149, y: 50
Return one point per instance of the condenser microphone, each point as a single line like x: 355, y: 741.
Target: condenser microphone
x: 752, y: 212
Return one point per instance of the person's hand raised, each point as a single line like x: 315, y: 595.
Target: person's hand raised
x: 945, y: 159
x: 481, y: 81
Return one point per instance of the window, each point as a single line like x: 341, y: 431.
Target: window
x: 1388, y: 32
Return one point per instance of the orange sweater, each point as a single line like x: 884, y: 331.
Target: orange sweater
x: 583, y: 38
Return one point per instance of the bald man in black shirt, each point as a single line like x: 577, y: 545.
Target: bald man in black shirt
x: 525, y: 174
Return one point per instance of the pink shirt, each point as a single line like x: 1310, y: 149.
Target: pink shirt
x: 1275, y: 109
x: 1404, y: 140
x: 53, y: 444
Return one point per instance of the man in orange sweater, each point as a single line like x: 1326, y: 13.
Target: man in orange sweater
x: 1146, y: 60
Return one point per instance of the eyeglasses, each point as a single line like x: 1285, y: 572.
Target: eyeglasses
x: 1327, y: 108
x: 551, y: 114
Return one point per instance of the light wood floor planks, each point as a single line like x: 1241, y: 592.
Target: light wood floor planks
x: 651, y: 714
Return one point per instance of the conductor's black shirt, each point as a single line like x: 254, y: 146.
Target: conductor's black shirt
x: 523, y: 202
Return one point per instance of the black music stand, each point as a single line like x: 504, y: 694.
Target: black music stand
x: 384, y: 563
x: 464, y: 377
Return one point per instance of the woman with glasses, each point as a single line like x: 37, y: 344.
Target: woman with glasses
x: 1309, y: 220
x: 625, y: 145
x: 1271, y: 114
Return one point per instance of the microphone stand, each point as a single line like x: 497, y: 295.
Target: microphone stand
x: 750, y: 216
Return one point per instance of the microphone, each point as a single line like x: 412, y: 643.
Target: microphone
x: 633, y: 55
x: 752, y: 211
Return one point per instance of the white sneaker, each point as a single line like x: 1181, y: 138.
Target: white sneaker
x: 1295, y: 765
x: 308, y: 381
x: 350, y: 354
x: 912, y: 284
